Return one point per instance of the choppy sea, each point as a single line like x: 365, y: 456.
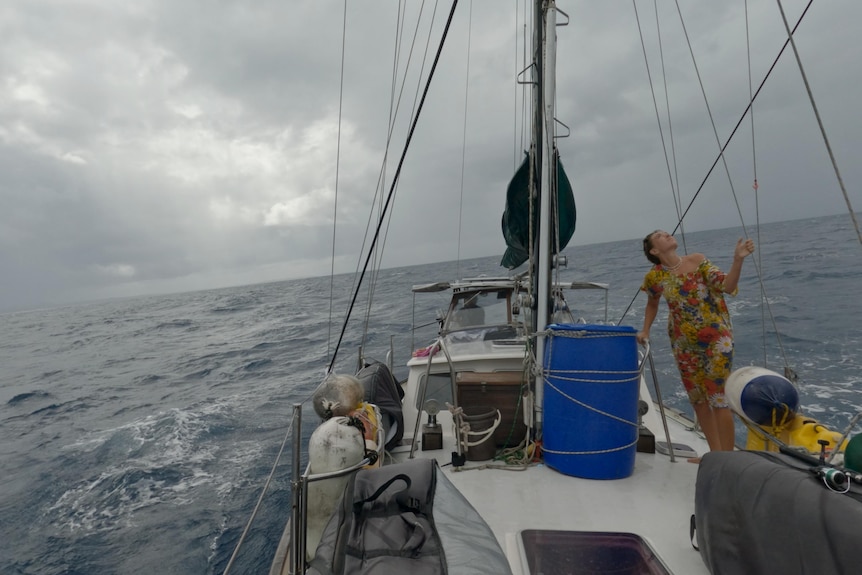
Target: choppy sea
x: 136, y: 434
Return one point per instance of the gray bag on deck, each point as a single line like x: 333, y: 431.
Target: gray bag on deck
x: 383, y: 525
x: 406, y: 518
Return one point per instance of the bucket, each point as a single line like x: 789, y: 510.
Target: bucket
x: 482, y: 421
x: 591, y: 400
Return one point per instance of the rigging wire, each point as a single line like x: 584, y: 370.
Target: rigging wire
x: 526, y: 101
x: 655, y: 106
x: 263, y: 491
x: 819, y: 122
x: 337, y: 166
x: 711, y: 120
x: 393, y: 110
x: 413, y: 111
x: 538, y: 29
x: 742, y: 116
x: 395, y: 178
x: 380, y: 179
x: 526, y: 109
x: 412, y: 115
x: 675, y: 179
x: 789, y: 373
x: 290, y: 427
x: 378, y: 250
x: 727, y: 143
x: 464, y: 139
x: 756, y: 189
x: 515, y: 107
x: 391, y: 192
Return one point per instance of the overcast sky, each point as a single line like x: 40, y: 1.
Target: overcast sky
x: 154, y: 146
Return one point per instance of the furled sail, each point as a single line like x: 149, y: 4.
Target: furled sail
x: 516, y: 217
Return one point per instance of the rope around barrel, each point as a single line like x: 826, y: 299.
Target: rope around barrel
x: 635, y: 375
x: 594, y: 452
x: 590, y: 407
x: 595, y: 410
x: 583, y: 334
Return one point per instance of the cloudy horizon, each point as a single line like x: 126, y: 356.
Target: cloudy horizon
x: 159, y: 147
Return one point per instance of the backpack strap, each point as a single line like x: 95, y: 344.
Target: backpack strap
x: 357, y: 505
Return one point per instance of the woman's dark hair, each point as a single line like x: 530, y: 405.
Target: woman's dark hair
x: 648, y: 247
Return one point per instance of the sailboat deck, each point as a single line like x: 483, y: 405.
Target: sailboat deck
x: 659, y: 492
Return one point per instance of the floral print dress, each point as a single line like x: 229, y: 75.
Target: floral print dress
x: 699, y: 328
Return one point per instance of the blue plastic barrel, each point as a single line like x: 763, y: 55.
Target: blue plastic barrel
x: 591, y: 400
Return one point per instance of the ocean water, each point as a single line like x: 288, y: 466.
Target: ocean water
x: 138, y: 433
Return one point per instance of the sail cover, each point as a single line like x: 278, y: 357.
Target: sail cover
x: 516, y: 217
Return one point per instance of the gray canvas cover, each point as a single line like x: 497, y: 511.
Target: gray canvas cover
x: 470, y: 545
x: 406, y: 518
x: 764, y: 513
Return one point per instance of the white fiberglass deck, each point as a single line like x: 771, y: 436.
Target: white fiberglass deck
x: 656, y: 502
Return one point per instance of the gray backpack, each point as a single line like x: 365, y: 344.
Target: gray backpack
x: 384, y: 524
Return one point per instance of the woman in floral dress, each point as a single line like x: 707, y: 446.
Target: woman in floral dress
x: 698, y: 325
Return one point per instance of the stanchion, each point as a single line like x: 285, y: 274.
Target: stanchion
x: 660, y: 402
x: 297, y: 534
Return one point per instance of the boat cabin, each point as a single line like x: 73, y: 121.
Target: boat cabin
x: 479, y: 364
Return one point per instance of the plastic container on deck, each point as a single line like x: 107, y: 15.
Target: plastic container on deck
x: 481, y: 420
x: 591, y: 400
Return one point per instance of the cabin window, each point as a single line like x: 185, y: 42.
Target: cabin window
x: 436, y: 386
x: 478, y: 309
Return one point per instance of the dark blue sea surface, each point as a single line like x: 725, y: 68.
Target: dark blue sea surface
x: 138, y: 433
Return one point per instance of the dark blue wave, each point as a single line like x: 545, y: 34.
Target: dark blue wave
x: 23, y: 397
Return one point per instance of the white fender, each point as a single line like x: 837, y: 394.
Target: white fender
x: 334, y: 445
x: 337, y: 395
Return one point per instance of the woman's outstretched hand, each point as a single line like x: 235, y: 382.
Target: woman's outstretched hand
x: 743, y: 248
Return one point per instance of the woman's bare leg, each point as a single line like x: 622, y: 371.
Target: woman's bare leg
x: 717, y: 425
x: 726, y: 430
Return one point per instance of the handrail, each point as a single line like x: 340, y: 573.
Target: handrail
x: 644, y: 358
x: 340, y: 472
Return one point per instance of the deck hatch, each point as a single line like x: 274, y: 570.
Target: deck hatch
x: 551, y: 552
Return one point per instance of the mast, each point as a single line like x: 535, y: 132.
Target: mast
x: 545, y: 147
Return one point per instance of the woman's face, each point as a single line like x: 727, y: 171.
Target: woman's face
x: 662, y: 241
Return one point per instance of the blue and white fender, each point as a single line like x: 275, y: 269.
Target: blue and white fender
x: 761, y: 396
